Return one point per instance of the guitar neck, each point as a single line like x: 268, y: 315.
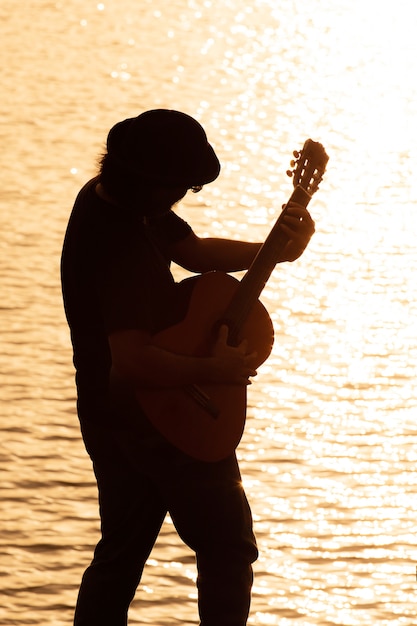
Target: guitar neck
x: 257, y: 275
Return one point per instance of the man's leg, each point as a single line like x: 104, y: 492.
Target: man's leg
x: 210, y: 511
x: 132, y: 513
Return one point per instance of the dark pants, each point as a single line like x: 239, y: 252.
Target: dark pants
x: 139, y: 481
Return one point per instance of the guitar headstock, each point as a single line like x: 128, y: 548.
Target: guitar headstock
x: 308, y: 166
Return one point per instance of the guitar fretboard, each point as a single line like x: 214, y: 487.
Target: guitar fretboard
x: 257, y: 275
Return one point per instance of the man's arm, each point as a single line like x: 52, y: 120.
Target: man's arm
x: 135, y: 358
x: 204, y: 254
x: 199, y: 254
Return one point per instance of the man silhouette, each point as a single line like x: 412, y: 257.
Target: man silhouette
x: 118, y: 292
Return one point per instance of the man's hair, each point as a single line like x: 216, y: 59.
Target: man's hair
x: 119, y: 182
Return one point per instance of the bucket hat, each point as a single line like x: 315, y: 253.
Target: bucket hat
x: 165, y: 147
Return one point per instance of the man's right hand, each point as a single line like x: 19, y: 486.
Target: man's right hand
x: 234, y: 364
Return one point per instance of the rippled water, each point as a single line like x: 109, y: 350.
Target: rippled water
x: 330, y: 447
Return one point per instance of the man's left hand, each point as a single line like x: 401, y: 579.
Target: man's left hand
x: 299, y: 227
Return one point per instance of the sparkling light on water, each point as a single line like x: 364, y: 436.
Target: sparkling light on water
x: 329, y: 452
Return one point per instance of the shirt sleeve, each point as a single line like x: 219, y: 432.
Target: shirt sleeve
x: 168, y: 229
x: 123, y: 300
x: 136, y: 286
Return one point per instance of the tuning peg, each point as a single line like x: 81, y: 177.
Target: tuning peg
x: 296, y: 154
x: 290, y: 173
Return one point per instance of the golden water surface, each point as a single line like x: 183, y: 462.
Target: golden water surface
x: 330, y: 449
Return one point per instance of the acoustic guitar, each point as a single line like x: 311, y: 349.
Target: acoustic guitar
x: 207, y: 421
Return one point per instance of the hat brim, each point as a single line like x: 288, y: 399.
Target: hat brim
x: 206, y: 171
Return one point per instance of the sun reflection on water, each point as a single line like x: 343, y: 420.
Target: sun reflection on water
x: 329, y: 452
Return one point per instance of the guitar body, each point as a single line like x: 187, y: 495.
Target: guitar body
x: 187, y: 424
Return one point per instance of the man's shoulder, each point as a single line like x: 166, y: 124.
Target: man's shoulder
x: 171, y: 227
